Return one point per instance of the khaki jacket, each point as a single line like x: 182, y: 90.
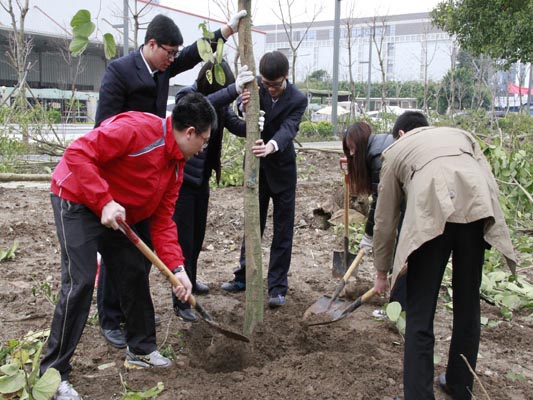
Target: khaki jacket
x: 444, y: 177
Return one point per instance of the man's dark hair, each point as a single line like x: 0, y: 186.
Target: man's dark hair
x: 164, y: 31
x: 273, y: 65
x: 408, y: 121
x: 194, y: 110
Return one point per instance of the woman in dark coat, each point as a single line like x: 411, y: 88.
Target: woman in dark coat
x: 363, y: 151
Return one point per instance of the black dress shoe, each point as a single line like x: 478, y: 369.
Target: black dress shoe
x: 444, y: 387
x: 115, y: 337
x: 186, y: 314
x: 200, y: 288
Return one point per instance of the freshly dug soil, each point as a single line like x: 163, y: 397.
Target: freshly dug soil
x: 356, y: 358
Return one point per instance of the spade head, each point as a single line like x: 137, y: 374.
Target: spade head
x: 323, y: 310
x: 341, y: 262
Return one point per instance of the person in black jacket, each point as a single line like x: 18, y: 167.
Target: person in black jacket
x: 139, y: 81
x: 363, y: 151
x: 284, y: 106
x: 190, y: 213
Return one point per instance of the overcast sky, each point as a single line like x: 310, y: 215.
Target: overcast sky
x: 303, y: 10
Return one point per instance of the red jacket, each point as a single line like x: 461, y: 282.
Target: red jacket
x: 131, y: 159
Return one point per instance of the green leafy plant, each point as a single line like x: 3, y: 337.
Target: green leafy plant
x: 82, y: 28
x: 45, y: 289
x: 206, y: 53
x: 19, y: 373
x: 232, y: 161
x: 132, y: 394
x: 396, y: 315
x: 9, y: 254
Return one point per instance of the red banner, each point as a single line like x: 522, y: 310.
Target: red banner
x: 515, y: 89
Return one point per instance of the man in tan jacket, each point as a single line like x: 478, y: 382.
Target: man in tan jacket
x: 451, y: 207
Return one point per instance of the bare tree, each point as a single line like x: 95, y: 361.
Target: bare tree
x: 136, y: 16
x: 294, y: 38
x: 349, y: 41
x: 19, y: 50
x: 378, y: 32
x: 252, y: 232
x: 453, y: 64
x: 426, y: 60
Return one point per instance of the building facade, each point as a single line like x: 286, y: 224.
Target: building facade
x: 49, y: 64
x: 408, y: 47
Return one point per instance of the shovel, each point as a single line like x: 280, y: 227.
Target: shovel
x: 327, y: 304
x: 338, y: 313
x: 155, y: 260
x: 341, y: 260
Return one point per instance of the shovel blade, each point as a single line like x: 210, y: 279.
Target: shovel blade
x: 323, y: 308
x: 341, y: 262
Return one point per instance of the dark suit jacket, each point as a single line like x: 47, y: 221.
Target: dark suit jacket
x: 128, y: 86
x: 282, y: 120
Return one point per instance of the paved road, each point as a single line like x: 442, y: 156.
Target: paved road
x: 335, y: 145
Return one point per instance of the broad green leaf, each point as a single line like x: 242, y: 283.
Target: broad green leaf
x: 154, y: 391
x: 78, y: 45
x: 84, y: 30
x: 436, y: 359
x: 110, y: 47
x: 220, y: 77
x: 81, y: 17
x: 484, y: 320
x: 47, y: 385
x: 393, y: 311
x: 513, y: 376
x: 400, y: 324
x: 206, y: 33
x: 511, y: 301
x: 9, y: 369
x: 32, y: 337
x: 204, y: 49
x: 220, y: 50
x: 209, y: 76
x: 497, y: 276
x: 12, y: 383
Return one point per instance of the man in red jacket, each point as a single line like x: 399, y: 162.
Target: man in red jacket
x: 131, y: 167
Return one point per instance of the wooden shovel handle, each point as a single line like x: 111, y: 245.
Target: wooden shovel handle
x: 154, y: 259
x: 353, y: 266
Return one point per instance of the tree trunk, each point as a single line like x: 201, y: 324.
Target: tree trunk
x: 252, y: 232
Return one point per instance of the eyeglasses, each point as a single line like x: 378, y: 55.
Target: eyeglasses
x: 205, y: 141
x: 274, y: 84
x: 171, y: 54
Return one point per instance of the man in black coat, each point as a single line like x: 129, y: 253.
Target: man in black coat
x: 139, y: 81
x: 284, y: 106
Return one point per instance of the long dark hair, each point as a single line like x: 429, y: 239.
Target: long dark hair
x: 358, y: 173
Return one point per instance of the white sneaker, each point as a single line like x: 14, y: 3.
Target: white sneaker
x: 379, y: 314
x: 65, y: 391
x: 154, y: 359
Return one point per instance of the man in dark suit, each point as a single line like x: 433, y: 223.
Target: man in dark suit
x: 139, y: 81
x: 284, y: 106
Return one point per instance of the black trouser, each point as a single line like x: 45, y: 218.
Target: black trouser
x: 283, y: 232
x: 110, y: 314
x: 426, y: 268
x: 190, y: 216
x: 81, y: 235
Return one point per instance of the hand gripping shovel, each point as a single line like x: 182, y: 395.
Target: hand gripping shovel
x: 126, y: 229
x: 330, y: 305
x: 341, y: 260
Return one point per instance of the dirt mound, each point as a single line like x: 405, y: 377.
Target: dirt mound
x: 356, y: 358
